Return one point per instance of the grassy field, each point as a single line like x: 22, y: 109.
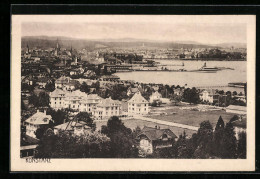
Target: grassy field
x: 133, y: 123
x: 193, y: 118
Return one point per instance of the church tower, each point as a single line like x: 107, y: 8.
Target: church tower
x: 57, y: 50
x: 27, y: 49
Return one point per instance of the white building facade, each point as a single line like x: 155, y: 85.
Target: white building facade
x: 107, y: 108
x: 138, y: 105
x: 35, y: 121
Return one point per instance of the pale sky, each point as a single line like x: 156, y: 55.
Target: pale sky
x: 167, y: 30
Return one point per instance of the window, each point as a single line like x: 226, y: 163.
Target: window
x: 55, y: 102
x: 73, y: 106
x: 133, y: 105
x: 55, y: 98
x: 106, y: 113
x: 60, y: 98
x: 144, y: 104
x: 145, y: 109
x: 116, y: 108
x: 112, y: 108
x: 107, y: 108
x: 88, y: 109
x: 60, y: 102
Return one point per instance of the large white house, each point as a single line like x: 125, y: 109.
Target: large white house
x: 209, y: 96
x: 35, y: 121
x: 79, y: 101
x: 75, y: 100
x: 138, y: 104
x: 57, y: 99
x: 107, y: 108
x: 155, y: 96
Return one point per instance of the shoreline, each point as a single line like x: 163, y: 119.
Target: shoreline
x: 195, y: 59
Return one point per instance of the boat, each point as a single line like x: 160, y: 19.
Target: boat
x: 208, y: 69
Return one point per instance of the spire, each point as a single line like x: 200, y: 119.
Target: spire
x: 57, y: 45
x: 27, y: 50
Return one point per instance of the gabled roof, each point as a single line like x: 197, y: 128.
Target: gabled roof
x: 39, y: 118
x: 57, y: 93
x: 155, y: 134
x: 63, y: 79
x: 109, y: 102
x: 138, y: 98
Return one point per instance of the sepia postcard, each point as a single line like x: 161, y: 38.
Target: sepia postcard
x: 132, y: 93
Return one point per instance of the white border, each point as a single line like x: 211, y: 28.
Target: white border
x: 18, y: 164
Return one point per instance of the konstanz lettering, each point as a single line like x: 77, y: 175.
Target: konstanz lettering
x: 38, y: 160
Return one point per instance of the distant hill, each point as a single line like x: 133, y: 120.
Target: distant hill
x: 91, y: 44
x: 235, y: 45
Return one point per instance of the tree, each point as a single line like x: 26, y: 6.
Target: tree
x: 84, y: 88
x: 59, y: 116
x: 68, y: 145
x: 218, y: 137
x: 86, y: 117
x: 204, y: 140
x: 43, y: 99
x: 123, y: 144
x: 229, y: 142
x: 175, y: 98
x: 23, y: 107
x: 241, y: 146
x: 50, y: 86
x: 33, y: 99
x: 40, y: 131
x: 191, y: 95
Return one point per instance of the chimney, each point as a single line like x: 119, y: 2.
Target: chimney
x: 38, y: 110
x: 44, y: 111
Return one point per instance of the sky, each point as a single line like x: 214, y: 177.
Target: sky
x: 165, y: 30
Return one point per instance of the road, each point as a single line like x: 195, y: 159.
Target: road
x: 167, y: 123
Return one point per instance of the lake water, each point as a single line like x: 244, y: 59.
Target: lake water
x: 192, y: 79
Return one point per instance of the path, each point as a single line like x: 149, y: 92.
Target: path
x: 167, y: 123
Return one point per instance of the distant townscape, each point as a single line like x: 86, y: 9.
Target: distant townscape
x: 75, y: 105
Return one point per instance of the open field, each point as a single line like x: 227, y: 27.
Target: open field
x: 191, y: 117
x: 133, y: 123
